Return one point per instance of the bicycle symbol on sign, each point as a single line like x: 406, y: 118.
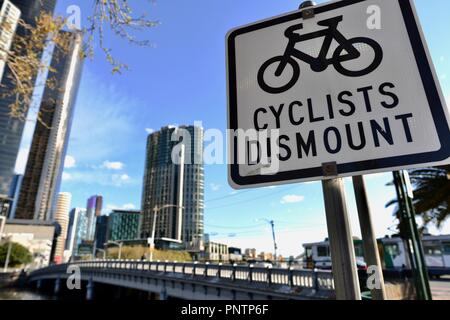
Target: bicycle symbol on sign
x: 320, y: 63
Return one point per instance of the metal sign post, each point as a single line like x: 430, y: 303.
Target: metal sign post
x: 371, y: 254
x: 341, y: 243
x: 410, y: 235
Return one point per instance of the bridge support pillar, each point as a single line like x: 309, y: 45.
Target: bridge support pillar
x: 90, y: 290
x: 39, y: 284
x: 57, y: 287
x: 163, y: 294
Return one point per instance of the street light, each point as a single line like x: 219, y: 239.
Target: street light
x: 2, y: 225
x: 119, y: 244
x: 8, y: 254
x: 156, y: 209
x: 272, y: 224
x: 101, y: 250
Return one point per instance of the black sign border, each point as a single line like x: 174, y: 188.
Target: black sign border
x: 428, y: 81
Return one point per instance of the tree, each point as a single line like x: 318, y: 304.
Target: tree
x: 24, y: 59
x: 431, y: 194
x: 19, y: 255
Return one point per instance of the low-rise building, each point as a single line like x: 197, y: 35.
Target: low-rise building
x: 235, y: 254
x: 215, y: 252
x: 36, y: 236
x: 250, y: 253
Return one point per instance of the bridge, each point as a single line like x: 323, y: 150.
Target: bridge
x: 190, y: 281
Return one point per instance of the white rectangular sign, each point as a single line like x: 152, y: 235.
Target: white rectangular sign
x: 352, y: 84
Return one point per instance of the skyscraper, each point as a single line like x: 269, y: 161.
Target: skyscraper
x: 11, y: 129
x: 14, y: 194
x: 77, y: 231
x: 62, y: 217
x: 45, y: 164
x: 168, y: 183
x: 101, y: 231
x: 93, y: 210
x: 9, y: 18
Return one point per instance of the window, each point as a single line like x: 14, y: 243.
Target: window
x: 392, y: 249
x: 308, y: 253
x: 446, y: 247
x: 359, y: 251
x: 322, y: 251
x: 432, y: 248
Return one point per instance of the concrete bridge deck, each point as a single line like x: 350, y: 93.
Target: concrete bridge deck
x: 194, y: 280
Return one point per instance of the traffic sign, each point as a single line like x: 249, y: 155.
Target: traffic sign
x: 347, y: 88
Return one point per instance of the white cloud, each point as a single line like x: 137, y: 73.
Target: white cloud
x: 215, y: 187
x: 69, y: 162
x: 292, y: 198
x: 120, y: 179
x: 66, y: 176
x: 128, y: 206
x: 100, y: 178
x: 149, y: 130
x: 111, y: 165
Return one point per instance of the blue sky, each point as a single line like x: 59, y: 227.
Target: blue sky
x: 181, y: 79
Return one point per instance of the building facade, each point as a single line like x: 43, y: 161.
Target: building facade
x: 77, y: 231
x: 11, y: 129
x: 36, y: 236
x: 9, y: 18
x: 101, y: 231
x: 93, y: 210
x: 216, y: 251
x: 178, y: 181
x: 62, y: 218
x: 123, y: 225
x: 45, y: 163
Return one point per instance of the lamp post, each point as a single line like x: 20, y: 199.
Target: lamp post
x: 2, y: 225
x: 275, y: 247
x: 157, y: 209
x: 119, y: 244
x: 8, y: 254
x: 101, y: 250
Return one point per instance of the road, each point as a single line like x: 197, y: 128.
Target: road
x: 441, y: 288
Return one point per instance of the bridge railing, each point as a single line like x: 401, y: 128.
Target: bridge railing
x: 317, y: 280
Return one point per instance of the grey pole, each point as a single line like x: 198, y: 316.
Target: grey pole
x: 341, y: 243
x: 371, y: 254
x: 152, y: 245
x: 8, y: 255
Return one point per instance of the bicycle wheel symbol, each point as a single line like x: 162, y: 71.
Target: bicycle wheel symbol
x: 275, y: 62
x: 347, y: 58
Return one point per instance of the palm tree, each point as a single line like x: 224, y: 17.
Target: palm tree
x: 431, y: 194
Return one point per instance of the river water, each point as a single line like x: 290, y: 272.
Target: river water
x: 21, y: 294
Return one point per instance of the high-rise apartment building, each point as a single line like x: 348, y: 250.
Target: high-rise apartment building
x: 11, y: 129
x: 170, y: 183
x: 9, y: 18
x: 123, y: 225
x: 93, y: 210
x: 14, y: 194
x: 62, y: 218
x: 45, y: 163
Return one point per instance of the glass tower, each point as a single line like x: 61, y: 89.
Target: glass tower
x: 45, y: 164
x: 11, y: 129
x: 162, y: 181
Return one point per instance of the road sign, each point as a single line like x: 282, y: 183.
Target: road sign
x: 350, y: 84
